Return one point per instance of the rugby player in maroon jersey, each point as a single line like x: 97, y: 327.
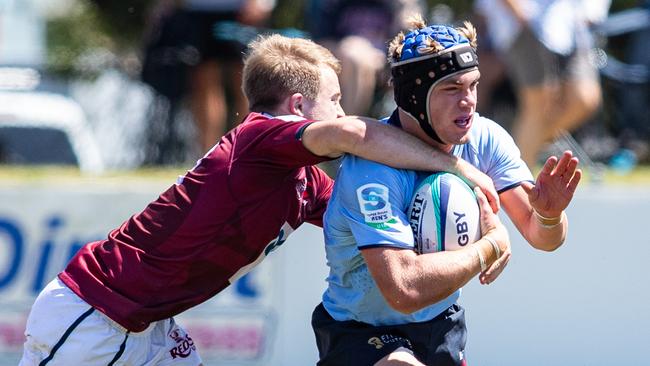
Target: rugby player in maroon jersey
x: 116, y: 299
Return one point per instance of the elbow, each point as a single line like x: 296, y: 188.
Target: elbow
x: 408, y: 302
x: 352, y: 135
x: 403, y: 304
x: 400, y: 298
x: 548, y: 247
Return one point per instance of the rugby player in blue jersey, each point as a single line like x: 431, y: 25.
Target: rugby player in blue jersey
x: 386, y: 304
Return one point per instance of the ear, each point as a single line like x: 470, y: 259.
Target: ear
x: 296, y: 104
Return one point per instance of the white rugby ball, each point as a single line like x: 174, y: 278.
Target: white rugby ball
x: 444, y: 214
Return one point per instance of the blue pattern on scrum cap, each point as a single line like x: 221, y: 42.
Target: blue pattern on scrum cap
x: 414, y: 41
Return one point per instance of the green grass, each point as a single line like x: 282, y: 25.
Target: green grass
x: 639, y: 176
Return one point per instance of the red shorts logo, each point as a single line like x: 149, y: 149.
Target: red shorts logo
x: 185, y: 345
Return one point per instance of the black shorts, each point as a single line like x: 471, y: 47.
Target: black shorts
x: 181, y: 40
x: 440, y: 341
x: 533, y: 64
x: 373, y: 20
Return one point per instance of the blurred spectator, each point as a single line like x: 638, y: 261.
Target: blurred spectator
x: 494, y: 90
x: 632, y: 84
x: 356, y: 31
x: 557, y: 86
x: 187, y: 55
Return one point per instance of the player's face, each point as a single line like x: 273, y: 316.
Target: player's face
x: 452, y: 105
x: 328, y: 102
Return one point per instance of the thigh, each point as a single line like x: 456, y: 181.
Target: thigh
x: 402, y: 357
x: 62, y: 329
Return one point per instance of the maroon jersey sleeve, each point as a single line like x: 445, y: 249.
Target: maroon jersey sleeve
x: 322, y: 190
x: 276, y: 142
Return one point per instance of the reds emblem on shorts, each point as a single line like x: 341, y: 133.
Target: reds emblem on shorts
x: 185, y: 345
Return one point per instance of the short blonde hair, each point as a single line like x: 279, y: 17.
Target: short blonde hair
x: 278, y: 66
x: 417, y: 22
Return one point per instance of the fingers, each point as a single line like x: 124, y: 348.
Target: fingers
x: 492, y: 198
x: 573, y: 165
x: 487, y: 217
x: 491, y: 274
x: 573, y: 183
x: 563, y: 163
x: 499, y: 264
x: 530, y: 190
x: 483, y: 203
x: 491, y: 195
x: 549, y: 165
x: 563, y: 170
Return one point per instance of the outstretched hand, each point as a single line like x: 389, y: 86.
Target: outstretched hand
x: 555, y: 185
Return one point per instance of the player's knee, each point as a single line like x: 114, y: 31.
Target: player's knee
x: 400, y: 357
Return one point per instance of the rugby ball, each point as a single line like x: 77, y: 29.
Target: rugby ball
x: 444, y: 214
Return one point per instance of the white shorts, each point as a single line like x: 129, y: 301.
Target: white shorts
x: 62, y: 329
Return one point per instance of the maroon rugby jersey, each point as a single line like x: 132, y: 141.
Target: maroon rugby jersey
x: 254, y: 187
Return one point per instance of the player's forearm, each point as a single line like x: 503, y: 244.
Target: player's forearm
x: 372, y: 140
x: 549, y: 235
x: 430, y: 278
x: 394, y: 147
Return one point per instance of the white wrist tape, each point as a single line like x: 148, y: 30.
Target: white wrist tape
x: 480, y: 258
x: 548, y: 222
x: 497, y: 250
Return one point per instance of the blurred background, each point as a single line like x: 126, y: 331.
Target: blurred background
x: 156, y: 82
x: 108, y: 101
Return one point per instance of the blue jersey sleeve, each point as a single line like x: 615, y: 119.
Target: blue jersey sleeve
x: 495, y: 153
x: 371, y: 203
x: 507, y: 169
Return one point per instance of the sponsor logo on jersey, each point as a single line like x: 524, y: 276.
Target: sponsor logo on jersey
x: 415, y: 220
x: 373, y: 202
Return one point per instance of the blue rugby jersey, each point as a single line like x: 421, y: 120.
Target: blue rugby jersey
x: 368, y: 208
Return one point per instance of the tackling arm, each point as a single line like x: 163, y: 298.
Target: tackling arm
x: 388, y: 145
